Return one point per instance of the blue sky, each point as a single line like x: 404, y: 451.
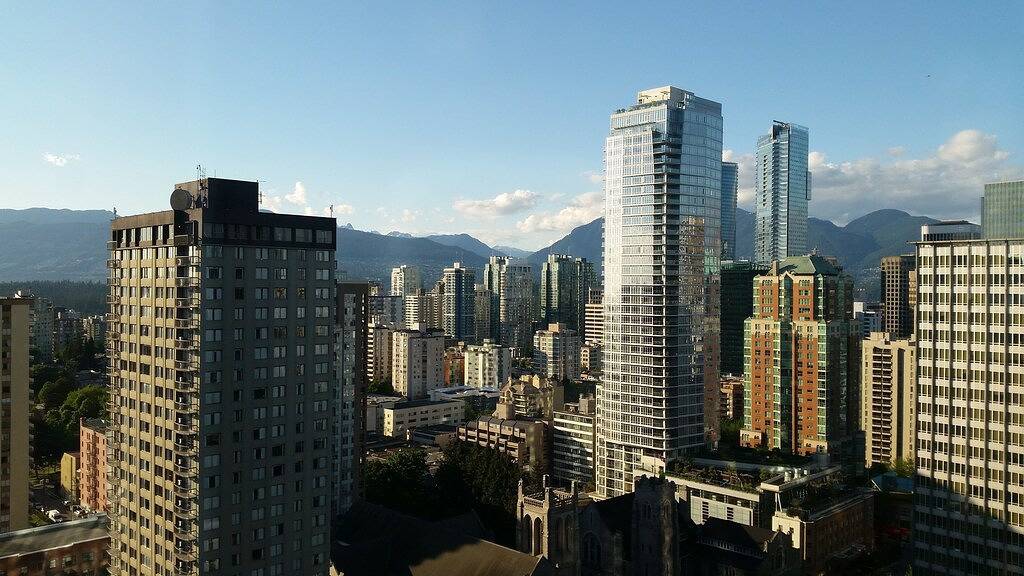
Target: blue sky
x: 489, y: 117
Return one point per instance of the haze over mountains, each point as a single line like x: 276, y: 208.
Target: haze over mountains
x: 48, y: 244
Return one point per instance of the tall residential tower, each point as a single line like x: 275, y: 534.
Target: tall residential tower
x: 662, y: 162
x: 782, y: 189
x: 222, y: 387
x: 730, y: 189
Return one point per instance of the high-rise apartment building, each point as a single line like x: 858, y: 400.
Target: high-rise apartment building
x: 92, y: 463
x: 1002, y: 210
x: 572, y: 442
x: 969, y: 489
x: 423, y: 308
x: 737, y: 299
x: 898, y: 277
x: 510, y: 283
x: 458, y: 302
x: 593, y: 329
x: 730, y: 190
x: 221, y: 353
x: 801, y: 380
x: 565, y: 283
x: 888, y: 375
x: 661, y: 241
x: 378, y: 353
x: 352, y: 310
x: 556, y: 352
x: 43, y: 328
x: 782, y: 189
x: 15, y: 459
x: 406, y: 280
x: 387, y: 310
x: 488, y: 365
x: 417, y: 361
x: 481, y: 313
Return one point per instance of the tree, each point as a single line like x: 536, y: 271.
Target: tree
x: 484, y: 480
x: 383, y: 387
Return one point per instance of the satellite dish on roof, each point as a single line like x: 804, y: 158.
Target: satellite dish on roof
x: 181, y: 199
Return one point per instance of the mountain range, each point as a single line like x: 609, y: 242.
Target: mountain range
x: 47, y: 244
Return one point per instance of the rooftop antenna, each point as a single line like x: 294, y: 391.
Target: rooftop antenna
x: 203, y: 185
x: 332, y: 210
x: 115, y: 213
x: 260, y: 190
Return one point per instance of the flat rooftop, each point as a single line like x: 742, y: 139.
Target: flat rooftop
x: 53, y: 536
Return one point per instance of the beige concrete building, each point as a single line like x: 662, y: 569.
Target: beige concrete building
x: 417, y: 361
x: 530, y: 397
x: 730, y: 402
x: 556, y: 352
x: 590, y: 359
x: 524, y: 441
x: 92, y: 463
x: 223, y: 402
x: 378, y: 353
x: 405, y: 415
x: 488, y: 365
x: 69, y: 475
x: 888, y: 381
x: 406, y: 280
x: 594, y: 318
x: 15, y: 459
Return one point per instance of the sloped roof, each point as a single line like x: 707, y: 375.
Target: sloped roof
x: 809, y: 264
x: 376, y: 541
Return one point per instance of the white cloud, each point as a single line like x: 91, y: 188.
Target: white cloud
x: 502, y: 204
x: 60, y: 160
x: 409, y: 216
x: 298, y: 195
x: 593, y: 176
x: 581, y: 210
x: 946, y: 183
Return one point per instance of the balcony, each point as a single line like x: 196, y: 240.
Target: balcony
x: 187, y: 282
x: 185, y: 385
x: 185, y: 426
x: 185, y: 489
x: 190, y: 365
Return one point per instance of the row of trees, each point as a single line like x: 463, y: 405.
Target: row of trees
x: 62, y: 403
x: 469, y: 477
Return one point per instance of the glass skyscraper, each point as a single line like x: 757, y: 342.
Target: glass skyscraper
x: 782, y: 188
x: 730, y: 187
x: 1002, y: 210
x: 661, y: 246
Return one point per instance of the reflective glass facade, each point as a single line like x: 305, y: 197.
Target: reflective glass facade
x: 1002, y: 210
x: 730, y: 187
x: 782, y: 188
x: 661, y: 244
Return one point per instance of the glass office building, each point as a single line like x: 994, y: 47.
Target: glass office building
x: 661, y: 245
x: 782, y: 188
x: 1002, y: 210
x: 730, y: 187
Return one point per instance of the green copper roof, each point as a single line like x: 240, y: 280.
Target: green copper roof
x: 810, y: 264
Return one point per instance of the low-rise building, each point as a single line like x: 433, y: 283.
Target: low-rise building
x: 375, y: 405
x: 530, y: 397
x: 69, y: 475
x: 525, y: 441
x: 92, y: 464
x: 828, y: 525
x: 77, y: 548
x: 405, y: 415
x: 477, y: 400
x: 573, y: 443
x: 730, y: 404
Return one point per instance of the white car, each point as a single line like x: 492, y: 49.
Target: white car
x: 55, y: 516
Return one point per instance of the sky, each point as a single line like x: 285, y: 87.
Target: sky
x: 489, y: 118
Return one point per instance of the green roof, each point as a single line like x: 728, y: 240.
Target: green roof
x: 810, y: 264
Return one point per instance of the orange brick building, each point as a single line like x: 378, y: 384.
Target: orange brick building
x: 801, y: 352
x: 92, y: 462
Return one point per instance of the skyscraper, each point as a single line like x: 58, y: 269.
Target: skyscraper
x: 1002, y: 210
x: 662, y: 207
x: 351, y: 348
x: 730, y: 189
x: 220, y: 344
x: 564, y: 285
x: 458, y: 302
x: 510, y: 283
x: 969, y: 487
x: 782, y: 188
x: 737, y: 305
x: 15, y: 334
x: 406, y: 280
x: 898, y: 291
x: 801, y: 378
